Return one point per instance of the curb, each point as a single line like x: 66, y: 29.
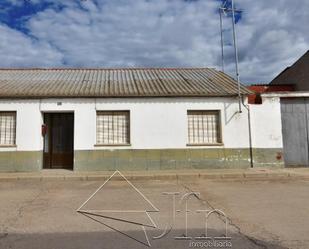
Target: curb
x: 246, y: 176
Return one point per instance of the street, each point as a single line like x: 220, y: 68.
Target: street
x: 157, y: 214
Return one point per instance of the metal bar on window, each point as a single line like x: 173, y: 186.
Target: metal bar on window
x: 204, y: 127
x: 7, y: 128
x: 113, y: 127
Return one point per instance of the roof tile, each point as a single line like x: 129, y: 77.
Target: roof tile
x: 125, y: 82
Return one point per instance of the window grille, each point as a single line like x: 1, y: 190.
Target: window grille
x: 113, y: 127
x: 7, y: 128
x: 204, y: 127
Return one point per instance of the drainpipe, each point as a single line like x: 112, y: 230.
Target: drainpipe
x: 250, y: 132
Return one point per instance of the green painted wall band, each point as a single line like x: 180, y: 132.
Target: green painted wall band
x: 148, y: 159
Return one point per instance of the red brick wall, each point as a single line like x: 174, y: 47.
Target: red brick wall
x: 258, y: 89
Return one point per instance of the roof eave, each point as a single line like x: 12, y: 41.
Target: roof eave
x: 120, y: 96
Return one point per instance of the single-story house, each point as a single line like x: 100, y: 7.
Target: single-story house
x: 133, y: 119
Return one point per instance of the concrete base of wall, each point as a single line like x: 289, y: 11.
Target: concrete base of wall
x: 20, y: 161
x: 268, y: 158
x: 161, y: 159
x: 165, y: 159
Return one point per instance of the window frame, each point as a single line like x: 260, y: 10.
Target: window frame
x: 15, y: 130
x: 129, y: 128
x: 220, y: 137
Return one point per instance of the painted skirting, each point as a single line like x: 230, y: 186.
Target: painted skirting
x: 20, y: 161
x: 150, y: 159
x: 164, y: 159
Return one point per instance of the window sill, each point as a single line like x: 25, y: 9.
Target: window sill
x: 111, y: 145
x: 8, y: 145
x: 217, y: 144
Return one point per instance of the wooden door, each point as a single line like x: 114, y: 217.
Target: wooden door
x: 59, y: 141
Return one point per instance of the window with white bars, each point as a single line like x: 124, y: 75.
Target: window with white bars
x: 7, y: 128
x: 113, y: 127
x: 204, y: 127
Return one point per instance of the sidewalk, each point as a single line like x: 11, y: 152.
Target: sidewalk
x: 225, y: 174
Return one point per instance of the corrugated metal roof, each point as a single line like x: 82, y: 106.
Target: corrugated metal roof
x: 127, y: 82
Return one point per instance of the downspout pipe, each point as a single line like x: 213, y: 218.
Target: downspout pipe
x: 247, y: 107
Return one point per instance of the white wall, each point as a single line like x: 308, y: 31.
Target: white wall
x: 266, y: 123
x: 28, y: 124
x: 155, y: 122
x: 162, y: 123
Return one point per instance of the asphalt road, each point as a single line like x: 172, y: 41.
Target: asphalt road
x: 274, y: 211
x: 43, y: 214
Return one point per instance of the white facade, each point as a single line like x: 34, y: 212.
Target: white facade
x: 155, y: 123
x: 266, y: 123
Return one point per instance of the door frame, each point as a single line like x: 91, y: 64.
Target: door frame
x: 43, y: 142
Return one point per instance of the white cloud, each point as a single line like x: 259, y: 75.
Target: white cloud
x: 19, y: 50
x: 271, y: 35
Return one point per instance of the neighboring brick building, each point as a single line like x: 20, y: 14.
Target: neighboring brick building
x: 292, y: 87
x: 297, y: 75
x: 258, y: 89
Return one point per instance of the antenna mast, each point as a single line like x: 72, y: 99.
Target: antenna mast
x: 223, y: 10
x: 222, y: 41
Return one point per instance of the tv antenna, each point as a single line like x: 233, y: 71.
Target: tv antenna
x: 224, y: 9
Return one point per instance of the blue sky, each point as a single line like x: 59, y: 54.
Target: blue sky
x: 152, y: 33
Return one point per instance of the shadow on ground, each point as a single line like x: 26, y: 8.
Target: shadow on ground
x: 111, y: 240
